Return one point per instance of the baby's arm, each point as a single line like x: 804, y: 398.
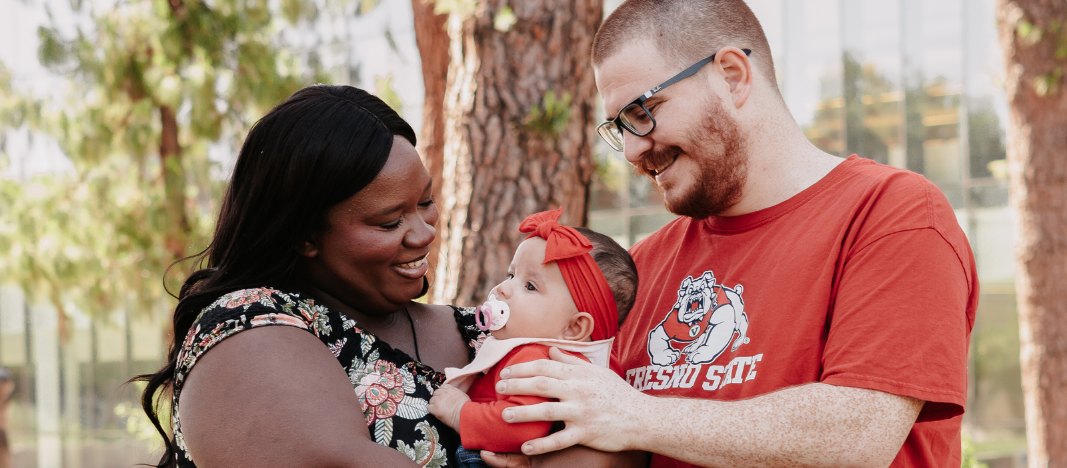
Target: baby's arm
x: 446, y: 404
x: 483, y: 427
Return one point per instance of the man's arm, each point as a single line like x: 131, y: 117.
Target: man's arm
x: 808, y: 425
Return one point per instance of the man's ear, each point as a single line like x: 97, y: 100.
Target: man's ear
x: 737, y: 69
x: 580, y: 327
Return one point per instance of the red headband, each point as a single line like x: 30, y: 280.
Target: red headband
x: 570, y: 249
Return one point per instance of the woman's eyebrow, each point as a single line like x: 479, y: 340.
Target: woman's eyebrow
x: 397, y: 207
x: 387, y: 210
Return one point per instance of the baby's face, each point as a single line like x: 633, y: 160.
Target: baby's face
x: 538, y: 298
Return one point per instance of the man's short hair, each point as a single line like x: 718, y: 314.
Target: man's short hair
x: 618, y: 268
x: 685, y: 31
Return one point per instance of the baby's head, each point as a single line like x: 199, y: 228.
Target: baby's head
x: 565, y: 283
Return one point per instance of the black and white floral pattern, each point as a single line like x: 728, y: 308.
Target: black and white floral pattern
x: 394, y: 389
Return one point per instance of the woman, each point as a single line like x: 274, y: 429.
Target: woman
x: 319, y: 250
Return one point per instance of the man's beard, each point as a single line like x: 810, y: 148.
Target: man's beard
x: 716, y: 147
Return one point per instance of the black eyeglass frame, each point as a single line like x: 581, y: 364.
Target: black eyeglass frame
x: 618, y: 122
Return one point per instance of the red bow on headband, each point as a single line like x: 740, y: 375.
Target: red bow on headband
x: 587, y: 284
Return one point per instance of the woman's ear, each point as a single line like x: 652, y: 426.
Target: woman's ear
x: 580, y: 327
x: 309, y: 248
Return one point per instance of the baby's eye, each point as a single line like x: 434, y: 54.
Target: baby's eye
x: 530, y: 286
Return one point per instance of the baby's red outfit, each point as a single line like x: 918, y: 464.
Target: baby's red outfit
x: 481, y: 426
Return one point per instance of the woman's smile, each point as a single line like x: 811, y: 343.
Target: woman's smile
x: 414, y: 269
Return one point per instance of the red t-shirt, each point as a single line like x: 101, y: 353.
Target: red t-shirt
x: 864, y: 279
x: 481, y: 426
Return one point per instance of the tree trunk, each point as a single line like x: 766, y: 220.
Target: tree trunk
x: 1032, y: 34
x: 431, y: 37
x: 512, y: 147
x: 170, y: 156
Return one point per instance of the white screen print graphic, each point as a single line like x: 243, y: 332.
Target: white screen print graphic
x: 705, y: 319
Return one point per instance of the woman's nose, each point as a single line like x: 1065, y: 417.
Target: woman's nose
x: 421, y: 234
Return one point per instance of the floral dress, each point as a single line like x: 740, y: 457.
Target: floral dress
x: 394, y: 390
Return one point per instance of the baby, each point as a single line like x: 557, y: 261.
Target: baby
x: 566, y: 287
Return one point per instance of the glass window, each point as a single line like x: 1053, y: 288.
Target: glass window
x: 813, y: 71
x: 871, y: 81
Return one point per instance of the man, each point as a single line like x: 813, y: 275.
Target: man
x: 805, y: 310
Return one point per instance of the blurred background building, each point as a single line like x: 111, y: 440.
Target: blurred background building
x: 909, y: 83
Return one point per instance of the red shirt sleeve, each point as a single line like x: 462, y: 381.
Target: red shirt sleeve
x: 897, y: 324
x: 481, y: 426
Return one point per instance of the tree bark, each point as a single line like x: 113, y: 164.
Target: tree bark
x: 504, y: 158
x: 1030, y: 33
x: 170, y: 158
x: 170, y: 152
x: 431, y: 37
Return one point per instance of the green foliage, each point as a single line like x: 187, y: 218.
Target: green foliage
x: 504, y: 20
x: 1049, y: 83
x: 137, y: 423
x: 15, y: 110
x: 611, y: 171
x: 999, y: 169
x: 101, y: 236
x: 1031, y: 34
x: 462, y: 8
x: 969, y: 458
x: 365, y: 6
x: 384, y: 90
x: 1028, y: 34
x: 551, y: 117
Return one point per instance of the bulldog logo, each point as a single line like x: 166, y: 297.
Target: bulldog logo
x: 705, y: 318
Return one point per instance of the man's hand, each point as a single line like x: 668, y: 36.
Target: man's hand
x: 506, y: 460
x: 574, y: 456
x: 446, y: 403
x: 593, y: 402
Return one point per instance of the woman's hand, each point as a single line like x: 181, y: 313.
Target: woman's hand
x: 447, y: 403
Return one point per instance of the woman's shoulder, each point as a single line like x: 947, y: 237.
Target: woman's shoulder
x: 244, y: 301
x: 468, y: 328
x: 245, y: 309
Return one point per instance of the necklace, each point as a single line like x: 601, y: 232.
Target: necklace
x: 414, y: 337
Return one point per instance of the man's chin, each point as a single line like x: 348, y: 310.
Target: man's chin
x: 685, y: 208
x: 672, y: 192
x: 690, y: 205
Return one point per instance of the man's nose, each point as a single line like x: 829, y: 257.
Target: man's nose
x: 635, y: 147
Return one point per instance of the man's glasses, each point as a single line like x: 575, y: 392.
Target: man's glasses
x: 635, y: 117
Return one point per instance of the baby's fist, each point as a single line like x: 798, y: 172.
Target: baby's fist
x: 446, y: 403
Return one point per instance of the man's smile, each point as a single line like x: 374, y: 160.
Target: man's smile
x: 656, y: 170
x: 658, y: 161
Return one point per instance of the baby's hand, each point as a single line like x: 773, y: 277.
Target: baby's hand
x: 446, y: 404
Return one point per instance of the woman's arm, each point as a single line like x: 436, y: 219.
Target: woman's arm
x: 276, y: 397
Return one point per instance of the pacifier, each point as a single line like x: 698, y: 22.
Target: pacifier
x: 492, y: 315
